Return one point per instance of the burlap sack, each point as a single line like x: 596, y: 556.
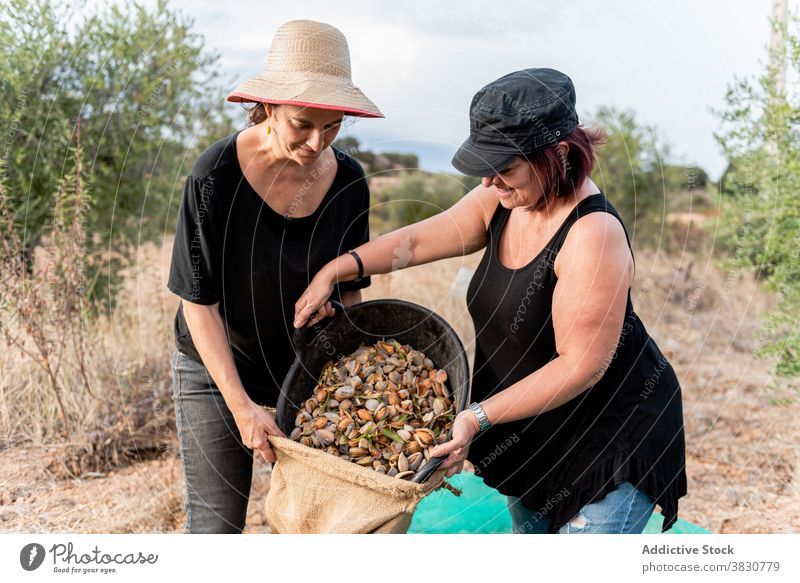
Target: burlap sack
x: 314, y: 492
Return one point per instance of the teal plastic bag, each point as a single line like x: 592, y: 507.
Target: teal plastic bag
x: 482, y: 510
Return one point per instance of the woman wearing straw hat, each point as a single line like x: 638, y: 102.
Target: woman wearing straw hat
x: 578, y: 416
x: 262, y: 211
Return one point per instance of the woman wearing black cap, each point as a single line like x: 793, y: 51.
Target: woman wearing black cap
x: 578, y: 416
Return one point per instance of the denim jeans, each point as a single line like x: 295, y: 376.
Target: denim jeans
x: 625, y: 510
x: 217, y: 466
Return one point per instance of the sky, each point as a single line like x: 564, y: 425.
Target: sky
x: 421, y: 61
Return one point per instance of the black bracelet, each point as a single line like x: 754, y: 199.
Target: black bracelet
x: 360, y: 265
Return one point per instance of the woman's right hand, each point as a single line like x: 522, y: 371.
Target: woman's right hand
x: 255, y: 423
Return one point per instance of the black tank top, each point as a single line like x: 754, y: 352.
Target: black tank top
x: 626, y: 427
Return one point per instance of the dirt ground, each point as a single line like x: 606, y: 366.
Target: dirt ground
x: 742, y: 425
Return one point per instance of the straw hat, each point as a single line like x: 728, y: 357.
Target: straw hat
x: 309, y: 66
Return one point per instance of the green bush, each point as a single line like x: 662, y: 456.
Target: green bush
x: 416, y: 197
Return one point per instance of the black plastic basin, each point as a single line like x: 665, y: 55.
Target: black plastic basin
x: 366, y: 323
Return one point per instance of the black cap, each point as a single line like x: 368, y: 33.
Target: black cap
x: 518, y: 114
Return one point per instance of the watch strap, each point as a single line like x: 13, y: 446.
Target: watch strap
x: 480, y: 415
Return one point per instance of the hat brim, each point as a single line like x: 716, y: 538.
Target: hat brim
x: 318, y: 92
x: 472, y: 160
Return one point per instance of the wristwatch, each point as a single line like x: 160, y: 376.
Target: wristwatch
x: 480, y: 415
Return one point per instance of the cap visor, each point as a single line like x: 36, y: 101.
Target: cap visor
x: 473, y: 161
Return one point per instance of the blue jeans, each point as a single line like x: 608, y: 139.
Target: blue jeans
x: 217, y: 466
x: 625, y: 510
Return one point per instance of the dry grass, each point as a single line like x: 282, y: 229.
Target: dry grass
x: 128, y: 414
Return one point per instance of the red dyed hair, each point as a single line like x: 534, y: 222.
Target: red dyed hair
x: 560, y: 175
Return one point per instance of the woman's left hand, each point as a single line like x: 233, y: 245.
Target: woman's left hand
x: 465, y: 427
x: 313, y: 305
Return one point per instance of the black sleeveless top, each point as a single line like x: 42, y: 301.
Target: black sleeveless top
x: 626, y: 427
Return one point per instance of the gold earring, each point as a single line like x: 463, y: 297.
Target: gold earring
x: 269, y: 128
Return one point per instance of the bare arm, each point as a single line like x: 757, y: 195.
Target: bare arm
x: 460, y: 230
x: 208, y: 334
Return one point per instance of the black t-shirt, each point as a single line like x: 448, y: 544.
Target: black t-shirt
x: 233, y: 248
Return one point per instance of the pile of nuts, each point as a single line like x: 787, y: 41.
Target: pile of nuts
x: 382, y: 407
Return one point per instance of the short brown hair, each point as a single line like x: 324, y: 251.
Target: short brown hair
x: 256, y: 113
x: 561, y: 177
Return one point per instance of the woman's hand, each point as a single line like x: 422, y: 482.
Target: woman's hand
x: 255, y: 423
x: 313, y: 305
x: 465, y: 427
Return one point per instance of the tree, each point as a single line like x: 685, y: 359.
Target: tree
x: 637, y: 171
x: 144, y: 90
x: 377, y: 162
x: 629, y: 172
x: 760, y: 190
x: 400, y: 161
x: 348, y: 145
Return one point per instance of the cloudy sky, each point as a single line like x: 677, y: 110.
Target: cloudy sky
x: 421, y: 61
